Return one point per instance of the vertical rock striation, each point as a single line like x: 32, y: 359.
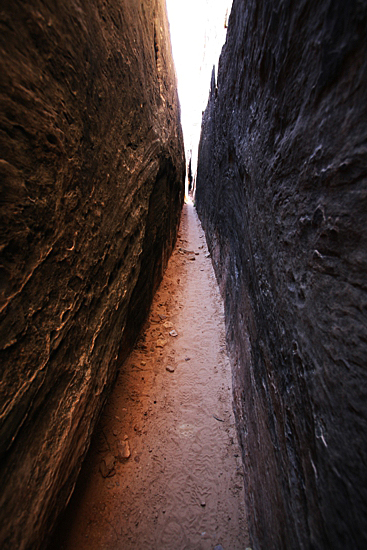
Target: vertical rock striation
x: 282, y: 194
x: 92, y: 174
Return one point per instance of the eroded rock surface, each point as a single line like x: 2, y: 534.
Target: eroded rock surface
x: 92, y: 174
x: 281, y: 191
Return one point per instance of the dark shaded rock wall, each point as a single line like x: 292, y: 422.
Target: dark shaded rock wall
x: 92, y: 173
x: 282, y: 194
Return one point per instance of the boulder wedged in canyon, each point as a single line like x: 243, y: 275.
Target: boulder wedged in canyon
x: 282, y: 195
x: 92, y: 169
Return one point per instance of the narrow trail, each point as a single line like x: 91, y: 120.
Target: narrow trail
x: 171, y: 409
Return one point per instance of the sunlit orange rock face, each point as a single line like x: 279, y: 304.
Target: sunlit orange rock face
x: 92, y: 172
x: 281, y: 191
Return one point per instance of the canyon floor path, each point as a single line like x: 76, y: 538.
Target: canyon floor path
x: 164, y: 469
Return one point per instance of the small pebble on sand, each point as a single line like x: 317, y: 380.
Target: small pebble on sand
x: 107, y: 466
x: 123, y: 449
x: 160, y: 343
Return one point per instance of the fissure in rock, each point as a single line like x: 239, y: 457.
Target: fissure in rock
x: 92, y: 187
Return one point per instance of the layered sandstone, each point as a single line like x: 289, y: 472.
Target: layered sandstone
x: 281, y: 191
x: 92, y: 173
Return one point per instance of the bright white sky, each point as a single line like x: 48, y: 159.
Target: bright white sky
x: 197, y: 35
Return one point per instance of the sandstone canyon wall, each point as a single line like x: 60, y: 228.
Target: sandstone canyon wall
x: 92, y: 174
x: 282, y: 194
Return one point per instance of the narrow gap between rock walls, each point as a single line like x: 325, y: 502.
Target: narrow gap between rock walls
x: 164, y: 468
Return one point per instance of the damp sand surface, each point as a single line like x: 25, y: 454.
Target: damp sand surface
x: 164, y: 469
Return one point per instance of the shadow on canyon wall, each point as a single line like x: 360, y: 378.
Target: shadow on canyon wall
x: 281, y: 192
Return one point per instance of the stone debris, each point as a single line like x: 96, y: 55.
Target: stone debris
x: 168, y: 324
x: 107, y: 466
x: 123, y: 449
x: 191, y: 258
x: 207, y: 255
x: 173, y: 333
x: 169, y: 368
x: 184, y: 251
x: 161, y: 343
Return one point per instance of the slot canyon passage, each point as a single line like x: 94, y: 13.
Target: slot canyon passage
x: 182, y: 486
x: 116, y: 422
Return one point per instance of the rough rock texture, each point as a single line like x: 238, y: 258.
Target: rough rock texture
x: 282, y: 193
x: 92, y: 172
